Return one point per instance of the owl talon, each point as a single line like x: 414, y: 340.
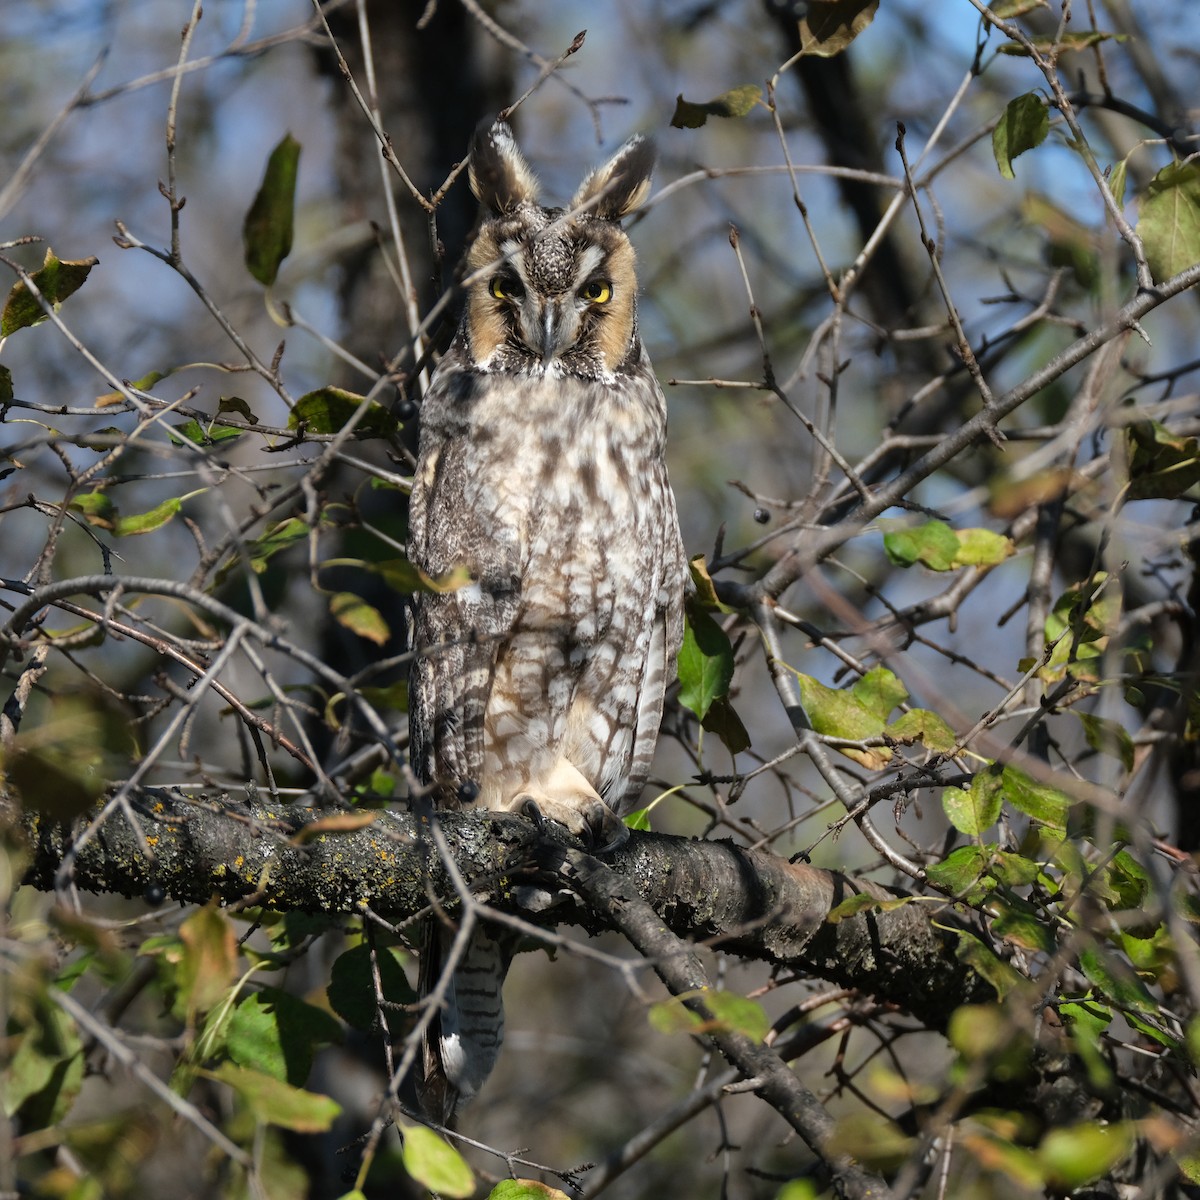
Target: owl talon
x: 527, y: 806
x: 606, y: 831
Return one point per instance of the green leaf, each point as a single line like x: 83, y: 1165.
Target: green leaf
x: 984, y: 963
x: 148, y: 522
x: 1013, y: 870
x: 277, y: 1033
x: 524, y: 1189
x: 193, y: 431
x: 44, y: 1062
x: 861, y: 902
x: 1169, y: 221
x: 1116, y: 980
x: 97, y: 508
x: 828, y: 27
x: 56, y: 280
x: 842, y: 714
x: 639, y: 820
x: 1079, y: 1154
x: 329, y: 409
x: 921, y: 725
x: 1129, y: 881
x: 354, y: 613
x: 406, y: 578
x: 1086, y: 1022
x: 274, y: 1102
x: 267, y: 230
x: 436, y: 1164
x: 879, y: 691
x: 1037, y: 800
x: 737, y: 102
x: 351, y: 989
x: 1081, y: 40
x: 933, y: 544
x: 961, y: 873
x: 799, y: 1189
x: 1079, y: 627
x: 1024, y: 126
x: 1162, y: 465
x: 723, y: 720
x: 978, y: 808
x: 705, y: 663
x: 277, y: 537
x: 1022, y: 928
x: 871, y: 1138
x: 1107, y: 737
x: 51, y: 781
x: 729, y: 1012
x: 236, y: 404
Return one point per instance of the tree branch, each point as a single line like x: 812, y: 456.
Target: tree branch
x: 748, y: 902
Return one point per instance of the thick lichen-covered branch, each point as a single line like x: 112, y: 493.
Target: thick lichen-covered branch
x: 750, y: 903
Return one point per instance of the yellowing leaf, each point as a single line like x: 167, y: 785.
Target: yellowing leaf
x: 97, y: 508
x: 56, y: 280
x: 1169, y: 223
x: 922, y: 725
x: 209, y: 959
x: 274, y: 1102
x: 267, y: 230
x: 737, y: 102
x: 981, y: 548
x: 706, y: 593
x: 1162, y: 465
x: 829, y: 26
x: 1077, y: 1154
x: 524, y: 1189
x: 347, y: 822
x: 436, y: 1164
x: 354, y: 613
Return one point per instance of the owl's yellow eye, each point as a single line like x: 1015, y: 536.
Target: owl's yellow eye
x: 506, y: 289
x: 599, y: 291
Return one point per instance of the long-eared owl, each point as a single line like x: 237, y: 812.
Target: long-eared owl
x: 539, y: 685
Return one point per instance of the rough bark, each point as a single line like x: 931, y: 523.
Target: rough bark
x: 750, y: 903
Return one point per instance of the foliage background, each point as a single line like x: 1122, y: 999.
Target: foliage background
x: 1028, y: 264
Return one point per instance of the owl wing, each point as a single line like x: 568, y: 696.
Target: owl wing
x: 665, y: 637
x: 456, y: 635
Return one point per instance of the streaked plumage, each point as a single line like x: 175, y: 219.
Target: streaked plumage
x: 541, y: 470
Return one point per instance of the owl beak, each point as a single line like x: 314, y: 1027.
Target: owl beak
x: 554, y: 330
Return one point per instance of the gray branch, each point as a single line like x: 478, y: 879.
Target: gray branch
x: 749, y: 903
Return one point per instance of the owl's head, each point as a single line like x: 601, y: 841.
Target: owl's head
x: 553, y: 290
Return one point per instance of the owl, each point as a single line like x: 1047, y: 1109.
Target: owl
x: 538, y: 687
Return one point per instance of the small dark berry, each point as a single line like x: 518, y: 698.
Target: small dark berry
x: 761, y: 516
x: 154, y: 894
x: 405, y: 410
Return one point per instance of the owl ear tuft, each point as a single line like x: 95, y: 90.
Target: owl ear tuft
x: 500, y: 177
x: 614, y: 190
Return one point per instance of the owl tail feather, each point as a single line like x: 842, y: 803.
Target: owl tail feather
x: 463, y: 1040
